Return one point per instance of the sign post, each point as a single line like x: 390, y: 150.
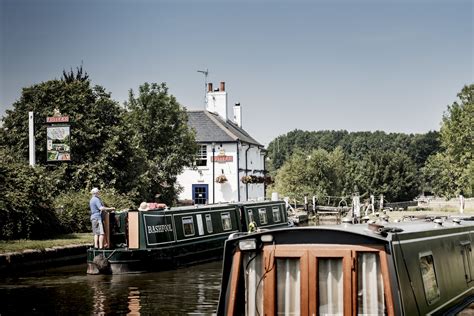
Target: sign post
x: 31, y: 128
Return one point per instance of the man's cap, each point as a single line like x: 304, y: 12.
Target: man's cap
x: 94, y: 190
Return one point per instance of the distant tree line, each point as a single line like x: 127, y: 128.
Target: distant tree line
x: 132, y: 152
x: 399, y: 166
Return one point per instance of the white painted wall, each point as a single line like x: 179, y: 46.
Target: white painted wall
x: 226, y: 192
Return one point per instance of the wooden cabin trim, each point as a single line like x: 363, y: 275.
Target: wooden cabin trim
x: 234, y: 282
x: 271, y: 253
x: 133, y: 230
x: 309, y: 256
x: 386, y: 283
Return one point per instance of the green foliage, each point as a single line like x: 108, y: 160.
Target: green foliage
x: 355, y: 145
x: 136, y: 153
x: 320, y: 173
x: 323, y: 173
x: 160, y: 128
x: 73, y: 210
x: 393, y: 174
x: 450, y: 172
x: 26, y: 201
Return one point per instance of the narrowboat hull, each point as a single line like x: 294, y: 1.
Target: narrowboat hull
x: 140, y: 241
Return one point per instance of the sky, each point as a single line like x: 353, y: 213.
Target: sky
x: 355, y: 65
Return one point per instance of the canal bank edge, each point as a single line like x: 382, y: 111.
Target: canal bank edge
x: 33, y: 259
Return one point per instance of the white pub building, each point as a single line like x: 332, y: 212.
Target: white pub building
x: 231, y: 164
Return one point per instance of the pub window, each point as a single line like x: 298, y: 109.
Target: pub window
x: 262, y: 214
x: 188, y: 226
x: 209, y: 223
x: 226, y: 221
x: 276, y: 214
x: 201, y: 158
x: 428, y: 274
x: 466, y: 253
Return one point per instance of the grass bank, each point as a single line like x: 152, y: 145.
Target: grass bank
x: 63, y: 240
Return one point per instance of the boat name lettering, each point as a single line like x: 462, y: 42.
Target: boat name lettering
x: 159, y: 228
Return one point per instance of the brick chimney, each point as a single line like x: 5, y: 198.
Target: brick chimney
x: 217, y: 100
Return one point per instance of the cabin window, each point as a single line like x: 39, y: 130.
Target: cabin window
x: 288, y: 281
x: 428, y: 273
x: 370, y: 290
x: 330, y: 286
x: 209, y: 223
x: 188, y: 226
x: 250, y: 213
x: 262, y: 214
x: 276, y: 214
x: 466, y: 253
x: 201, y: 158
x: 226, y: 221
x: 252, y: 265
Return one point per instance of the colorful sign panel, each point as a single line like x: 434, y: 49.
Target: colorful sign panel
x: 58, y: 147
x: 222, y: 158
x: 57, y: 119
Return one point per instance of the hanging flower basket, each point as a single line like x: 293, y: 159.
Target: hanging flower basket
x: 221, y: 179
x: 246, y: 179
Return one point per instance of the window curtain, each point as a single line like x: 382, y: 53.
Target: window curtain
x: 253, y: 274
x: 288, y: 286
x: 330, y: 286
x: 370, y: 291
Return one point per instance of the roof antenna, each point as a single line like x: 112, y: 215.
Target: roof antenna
x: 205, y: 73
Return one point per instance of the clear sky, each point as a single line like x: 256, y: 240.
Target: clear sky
x: 313, y: 65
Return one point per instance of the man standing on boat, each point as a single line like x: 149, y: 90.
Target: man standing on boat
x: 97, y: 207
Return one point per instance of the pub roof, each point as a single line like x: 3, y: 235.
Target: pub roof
x: 210, y: 127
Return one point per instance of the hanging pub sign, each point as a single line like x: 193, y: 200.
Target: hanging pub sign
x: 58, y: 145
x: 221, y: 157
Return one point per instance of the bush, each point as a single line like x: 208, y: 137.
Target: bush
x: 73, y: 212
x: 26, y: 207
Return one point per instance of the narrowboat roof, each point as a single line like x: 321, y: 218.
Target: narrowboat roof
x: 380, y: 232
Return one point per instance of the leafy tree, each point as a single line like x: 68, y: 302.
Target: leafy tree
x: 450, y: 172
x: 159, y: 125
x: 103, y: 153
x: 320, y: 173
x: 356, y: 144
x: 393, y: 174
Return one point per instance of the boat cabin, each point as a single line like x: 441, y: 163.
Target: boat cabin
x: 414, y: 268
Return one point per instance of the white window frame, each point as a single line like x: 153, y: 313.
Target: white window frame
x: 262, y: 211
x: 201, y: 156
x: 184, y: 221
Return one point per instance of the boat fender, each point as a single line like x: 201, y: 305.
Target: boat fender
x: 101, y: 262
x: 252, y: 227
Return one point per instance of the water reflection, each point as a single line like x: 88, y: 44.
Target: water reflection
x: 192, y: 290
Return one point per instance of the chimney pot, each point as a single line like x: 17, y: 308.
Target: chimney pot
x: 222, y: 87
x: 209, y: 87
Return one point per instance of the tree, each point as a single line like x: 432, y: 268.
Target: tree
x: 319, y: 173
x: 103, y: 153
x: 393, y: 174
x: 159, y: 125
x: 450, y: 171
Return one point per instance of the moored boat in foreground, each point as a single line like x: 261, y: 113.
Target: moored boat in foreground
x: 162, y: 238
x: 408, y: 268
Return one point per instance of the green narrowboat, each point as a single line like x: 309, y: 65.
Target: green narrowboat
x: 160, y: 239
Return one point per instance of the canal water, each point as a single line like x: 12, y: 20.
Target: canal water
x: 70, y: 291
